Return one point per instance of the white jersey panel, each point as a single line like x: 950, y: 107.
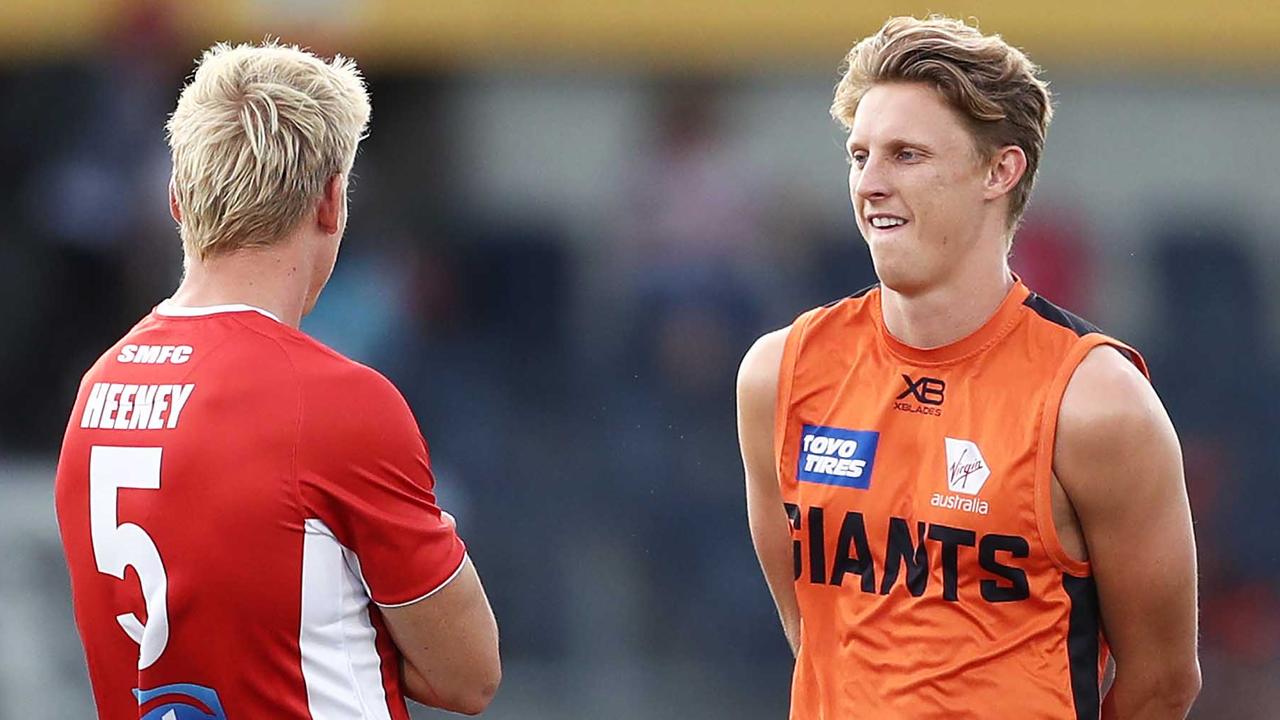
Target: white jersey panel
x: 340, y: 662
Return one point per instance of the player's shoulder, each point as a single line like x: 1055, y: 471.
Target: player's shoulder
x: 1049, y: 317
x: 114, y: 351
x: 843, y: 318
x: 318, y: 361
x: 1058, y: 335
x: 325, y: 370
x: 854, y: 306
x: 763, y: 360
x: 1110, y: 418
x: 758, y: 372
x: 1106, y: 392
x: 341, y: 392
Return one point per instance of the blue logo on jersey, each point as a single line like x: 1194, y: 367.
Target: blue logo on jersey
x: 181, y: 701
x: 835, y: 456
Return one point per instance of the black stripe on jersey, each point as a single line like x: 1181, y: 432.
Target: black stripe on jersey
x: 1057, y: 315
x: 1066, y: 319
x: 858, y: 294
x: 1082, y: 645
x: 865, y: 290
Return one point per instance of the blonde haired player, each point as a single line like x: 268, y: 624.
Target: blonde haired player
x: 248, y: 517
x: 964, y: 498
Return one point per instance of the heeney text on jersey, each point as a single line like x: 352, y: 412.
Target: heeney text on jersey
x: 119, y: 406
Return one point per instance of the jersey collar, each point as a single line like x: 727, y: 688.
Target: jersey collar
x: 996, y: 327
x: 168, y: 308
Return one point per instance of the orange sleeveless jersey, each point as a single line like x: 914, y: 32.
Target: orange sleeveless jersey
x: 930, y: 579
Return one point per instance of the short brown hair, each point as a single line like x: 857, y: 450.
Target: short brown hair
x: 992, y: 84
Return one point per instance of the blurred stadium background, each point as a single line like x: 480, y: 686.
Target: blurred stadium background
x: 570, y: 220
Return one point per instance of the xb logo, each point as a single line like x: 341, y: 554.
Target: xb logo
x: 926, y: 390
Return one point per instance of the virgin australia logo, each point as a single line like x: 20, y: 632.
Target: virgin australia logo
x: 967, y: 470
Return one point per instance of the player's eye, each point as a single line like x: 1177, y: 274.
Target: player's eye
x: 858, y: 158
x: 908, y: 155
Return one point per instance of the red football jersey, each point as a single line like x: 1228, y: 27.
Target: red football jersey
x: 235, y: 500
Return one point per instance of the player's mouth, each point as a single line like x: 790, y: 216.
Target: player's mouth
x: 883, y: 222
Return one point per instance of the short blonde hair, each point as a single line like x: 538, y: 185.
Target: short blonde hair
x: 257, y: 133
x: 991, y: 84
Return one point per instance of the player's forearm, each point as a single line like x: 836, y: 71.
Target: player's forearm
x: 471, y: 701
x: 784, y: 597
x: 790, y: 626
x: 1157, y: 694
x: 788, y: 613
x: 415, y: 687
x: 774, y: 551
x: 782, y: 587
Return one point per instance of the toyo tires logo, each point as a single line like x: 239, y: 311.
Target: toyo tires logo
x: 837, y: 456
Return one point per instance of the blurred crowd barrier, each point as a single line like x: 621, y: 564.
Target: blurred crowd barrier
x: 561, y: 266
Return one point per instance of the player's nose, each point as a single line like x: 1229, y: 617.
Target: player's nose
x: 872, y: 181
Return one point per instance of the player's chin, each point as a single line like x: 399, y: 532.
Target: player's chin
x: 897, y: 261
x: 906, y: 274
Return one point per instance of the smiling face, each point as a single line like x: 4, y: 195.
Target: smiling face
x: 922, y: 193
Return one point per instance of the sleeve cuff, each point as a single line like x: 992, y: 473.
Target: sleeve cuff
x: 433, y: 591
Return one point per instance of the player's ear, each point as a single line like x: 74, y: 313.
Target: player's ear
x: 1007, y: 166
x: 331, y: 210
x: 174, y: 208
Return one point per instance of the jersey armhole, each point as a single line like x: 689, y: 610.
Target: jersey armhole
x: 1046, y: 438
x: 786, y: 378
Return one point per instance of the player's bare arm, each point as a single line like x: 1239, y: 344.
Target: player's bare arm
x: 1118, y: 460
x: 770, y: 528
x: 449, y: 642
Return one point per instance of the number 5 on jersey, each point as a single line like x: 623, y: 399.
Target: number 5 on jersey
x: 116, y: 546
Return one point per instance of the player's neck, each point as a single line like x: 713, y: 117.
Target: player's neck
x: 952, y: 310
x: 275, y: 279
